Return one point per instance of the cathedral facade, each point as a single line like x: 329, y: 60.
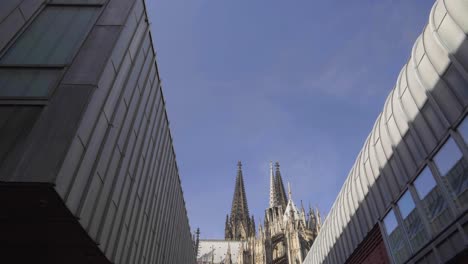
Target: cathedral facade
x: 287, y: 233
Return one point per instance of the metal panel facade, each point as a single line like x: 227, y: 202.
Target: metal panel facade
x: 427, y: 106
x: 101, y: 138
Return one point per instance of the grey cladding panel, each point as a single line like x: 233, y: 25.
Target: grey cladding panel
x: 69, y: 165
x: 425, y: 134
x: 134, y: 47
x: 447, y: 101
x: 125, y: 37
x: 96, y: 104
x: 93, y: 56
x: 435, y: 122
x: 29, y: 7
x: 85, y: 172
x: 105, y: 231
x: 382, y: 184
x: 10, y: 26
x: 15, y: 124
x: 7, y: 6
x: 92, y: 193
x: 105, y: 201
x: 53, y: 134
x: 457, y: 84
x: 392, y: 184
x: 138, y: 9
x: 116, y: 12
x: 145, y: 72
x: 146, y: 44
x: 77, y: 2
x: 130, y: 86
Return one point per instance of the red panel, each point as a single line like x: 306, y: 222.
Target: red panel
x: 371, y: 250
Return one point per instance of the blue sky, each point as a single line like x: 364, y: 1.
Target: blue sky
x: 299, y: 82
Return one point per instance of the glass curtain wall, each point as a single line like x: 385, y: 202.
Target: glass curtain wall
x: 421, y: 213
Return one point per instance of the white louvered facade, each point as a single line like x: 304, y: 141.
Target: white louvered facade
x: 426, y: 108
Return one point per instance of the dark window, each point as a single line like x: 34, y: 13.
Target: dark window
x: 53, y: 38
x: 31, y: 82
x: 32, y: 65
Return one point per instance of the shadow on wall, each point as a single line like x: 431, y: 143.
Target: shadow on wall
x: 444, y: 108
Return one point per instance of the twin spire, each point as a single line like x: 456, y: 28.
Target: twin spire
x: 239, y: 225
x: 273, y: 192
x: 277, y: 193
x: 239, y: 208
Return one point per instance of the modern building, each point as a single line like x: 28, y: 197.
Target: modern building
x: 88, y: 172
x: 285, y: 236
x: 405, y: 198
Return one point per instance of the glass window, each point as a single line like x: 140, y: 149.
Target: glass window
x: 454, y: 169
x: 412, y: 220
x: 434, y: 204
x: 51, y: 40
x: 447, y: 157
x: 390, y: 222
x: 53, y: 37
x: 396, y: 238
x: 27, y: 82
x: 463, y: 129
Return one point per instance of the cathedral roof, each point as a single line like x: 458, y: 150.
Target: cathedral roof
x: 217, y: 250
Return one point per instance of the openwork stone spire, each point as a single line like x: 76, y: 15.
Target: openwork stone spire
x: 273, y: 193
x: 239, y: 227
x: 239, y: 210
x: 282, y: 200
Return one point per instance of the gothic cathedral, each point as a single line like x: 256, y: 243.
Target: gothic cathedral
x: 286, y: 234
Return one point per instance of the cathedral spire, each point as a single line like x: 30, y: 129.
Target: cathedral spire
x: 273, y: 193
x: 319, y: 218
x: 227, y: 229
x: 282, y: 200
x: 239, y: 210
x: 240, y: 219
x: 252, y: 224
x: 303, y: 213
x: 197, y: 241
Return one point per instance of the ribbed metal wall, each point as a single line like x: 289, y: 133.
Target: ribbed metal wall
x: 428, y: 102
x: 103, y: 139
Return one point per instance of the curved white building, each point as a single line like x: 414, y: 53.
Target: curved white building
x: 405, y: 199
